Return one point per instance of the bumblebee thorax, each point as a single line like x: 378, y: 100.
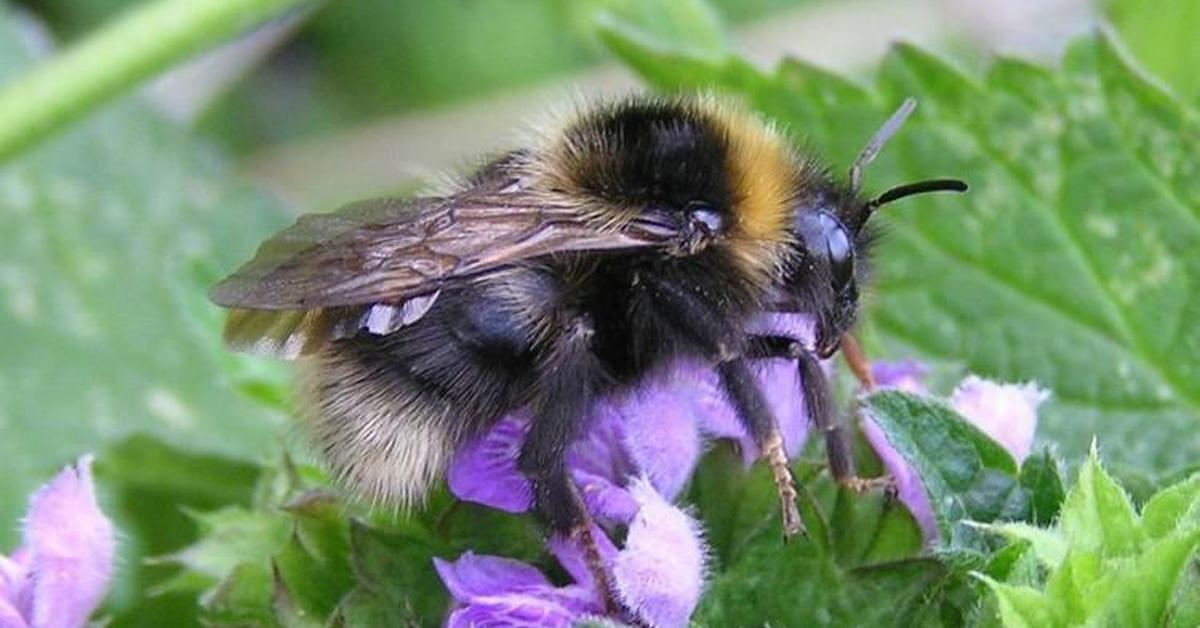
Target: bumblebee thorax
x: 727, y: 178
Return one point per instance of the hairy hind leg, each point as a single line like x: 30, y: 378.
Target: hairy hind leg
x: 568, y: 375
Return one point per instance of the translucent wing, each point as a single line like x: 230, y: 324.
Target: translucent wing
x: 378, y: 264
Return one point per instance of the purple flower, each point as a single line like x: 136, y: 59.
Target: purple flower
x: 653, y: 430
x: 636, y: 454
x: 494, y: 591
x: 484, y: 471
x: 1005, y: 412
x: 659, y: 575
x: 905, y: 375
x: 60, y: 573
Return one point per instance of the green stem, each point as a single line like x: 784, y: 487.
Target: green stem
x: 118, y: 56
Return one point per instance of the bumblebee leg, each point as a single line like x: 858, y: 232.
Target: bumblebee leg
x: 818, y: 403
x: 746, y: 395
x: 559, y: 410
x: 724, y: 344
x: 857, y: 360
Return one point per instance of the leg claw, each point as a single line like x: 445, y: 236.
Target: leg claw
x: 863, y: 485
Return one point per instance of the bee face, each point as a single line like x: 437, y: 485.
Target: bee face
x: 828, y: 253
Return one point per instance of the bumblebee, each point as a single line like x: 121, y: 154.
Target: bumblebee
x: 635, y: 234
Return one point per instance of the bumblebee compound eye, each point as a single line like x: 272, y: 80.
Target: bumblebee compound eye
x: 841, y: 253
x: 827, y: 239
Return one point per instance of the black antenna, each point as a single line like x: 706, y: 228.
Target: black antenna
x: 918, y: 187
x: 885, y: 133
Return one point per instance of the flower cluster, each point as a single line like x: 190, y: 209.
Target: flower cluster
x: 637, y: 454
x: 59, y: 575
x: 1005, y: 412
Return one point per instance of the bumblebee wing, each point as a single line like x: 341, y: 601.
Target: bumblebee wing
x: 379, y: 264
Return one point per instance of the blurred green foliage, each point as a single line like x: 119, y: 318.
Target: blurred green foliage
x: 109, y: 234
x: 362, y: 58
x: 1162, y: 36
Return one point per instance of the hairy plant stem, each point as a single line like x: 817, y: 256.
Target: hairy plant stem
x: 118, y: 56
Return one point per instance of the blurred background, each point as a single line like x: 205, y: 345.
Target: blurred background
x: 111, y: 232
x: 364, y: 97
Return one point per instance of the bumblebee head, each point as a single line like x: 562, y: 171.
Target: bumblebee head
x: 830, y: 235
x: 733, y: 194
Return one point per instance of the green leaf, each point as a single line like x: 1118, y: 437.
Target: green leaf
x: 1040, y: 476
x: 1161, y: 36
x: 690, y: 26
x: 895, y: 535
x: 1067, y: 263
x: 1165, y: 512
x: 106, y: 333
x: 1103, y: 570
x: 286, y: 610
x: 241, y: 598
x: 150, y: 488
x: 797, y: 584
x: 1080, y: 585
x: 1148, y: 583
x: 1016, y: 563
x: 233, y: 541
x: 314, y: 566
x: 1048, y: 545
x: 1184, y: 608
x: 396, y: 578
x: 965, y: 474
x: 1024, y: 607
x: 734, y: 504
x: 1097, y: 515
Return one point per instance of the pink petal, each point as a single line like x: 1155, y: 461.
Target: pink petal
x: 10, y: 617
x: 484, y: 471
x: 474, y: 576
x: 570, y: 555
x: 660, y: 573
x: 904, y: 375
x: 1006, y: 412
x: 660, y: 434
x: 71, y: 545
x: 909, y: 488
x: 780, y: 380
x: 599, y: 451
x: 604, y: 499
x: 495, y: 591
x: 14, y: 574
x: 515, y: 610
x: 714, y: 415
